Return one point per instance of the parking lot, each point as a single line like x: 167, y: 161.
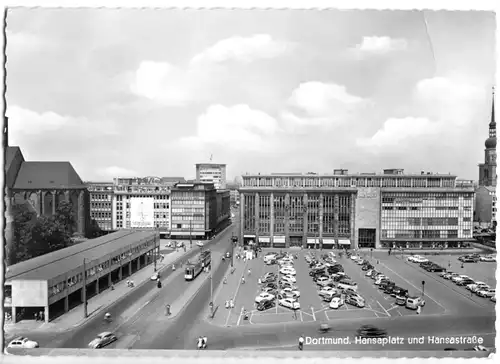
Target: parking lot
x: 441, y: 296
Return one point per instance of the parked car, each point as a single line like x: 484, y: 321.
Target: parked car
x: 271, y: 285
x: 22, y: 343
x: 324, y: 281
x: 417, y: 259
x: 200, y: 244
x: 103, y: 339
x: 288, y: 271
x: 465, y: 282
x: 264, y: 296
x: 265, y: 305
x: 347, y: 284
x: 493, y: 298
x: 486, y: 292
x: 435, y: 268
x: 389, y: 288
x: 460, y: 278
x: 401, y: 292
x: 328, y: 296
x: 479, y: 287
x: 336, y: 302
x: 367, y: 267
x: 401, y: 300
x: 355, y: 300
x: 414, y: 302
x: 155, y: 276
x: 488, y: 258
x: 287, y: 278
x: 289, y: 303
x: 385, y: 283
x: 327, y: 290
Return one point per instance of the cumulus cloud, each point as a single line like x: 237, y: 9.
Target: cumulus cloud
x: 24, y: 122
x: 115, y: 172
x: 242, y: 49
x: 318, y: 104
x: 236, y: 127
x: 395, y: 130
x: 380, y: 45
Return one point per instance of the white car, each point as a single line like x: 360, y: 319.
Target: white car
x: 102, y: 340
x: 324, y: 281
x: 380, y: 278
x: 368, y: 272
x: 155, y: 276
x: 200, y: 244
x: 459, y: 278
x: 480, y: 287
x: 23, y: 343
x: 264, y: 296
x: 336, y: 302
x: 417, y: 259
x: 288, y: 271
x: 488, y: 258
x: 486, y: 292
x: 354, y: 257
x: 289, y: 303
x: 471, y: 286
x: 290, y: 290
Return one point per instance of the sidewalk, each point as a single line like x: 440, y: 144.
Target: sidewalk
x: 99, y: 302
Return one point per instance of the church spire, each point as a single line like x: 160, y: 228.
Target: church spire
x: 493, y: 124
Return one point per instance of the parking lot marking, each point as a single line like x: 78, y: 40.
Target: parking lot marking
x: 388, y: 314
x: 239, y: 317
x: 236, y: 295
x: 313, y: 315
x: 445, y: 310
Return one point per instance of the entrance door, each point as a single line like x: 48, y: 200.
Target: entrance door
x: 295, y: 241
x: 367, y: 238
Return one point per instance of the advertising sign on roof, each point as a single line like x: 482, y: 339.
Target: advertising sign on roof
x: 142, y: 212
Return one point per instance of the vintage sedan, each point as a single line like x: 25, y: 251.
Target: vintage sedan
x: 289, y: 303
x: 103, y: 339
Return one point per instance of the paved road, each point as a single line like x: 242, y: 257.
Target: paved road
x: 81, y: 336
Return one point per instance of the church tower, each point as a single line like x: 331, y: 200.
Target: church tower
x: 488, y: 169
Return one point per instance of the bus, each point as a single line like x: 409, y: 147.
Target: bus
x: 205, y: 258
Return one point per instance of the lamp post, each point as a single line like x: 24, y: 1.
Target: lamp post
x: 371, y: 253
x: 154, y: 254
x: 191, y: 232
x: 423, y: 285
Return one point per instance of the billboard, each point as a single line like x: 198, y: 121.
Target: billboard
x: 142, y: 212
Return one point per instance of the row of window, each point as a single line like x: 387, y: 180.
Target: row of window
x: 188, y: 227
x: 416, y: 208
x: 188, y: 210
x: 100, y: 215
x: 187, y: 217
x: 155, y: 197
x: 349, y: 182
x: 100, y: 196
x: 423, y: 234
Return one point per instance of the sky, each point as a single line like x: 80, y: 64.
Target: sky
x: 142, y: 92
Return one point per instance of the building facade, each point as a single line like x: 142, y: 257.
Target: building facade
x: 198, y: 210
x: 212, y: 173
x: 133, y: 203
x: 357, y: 210
x: 486, y: 206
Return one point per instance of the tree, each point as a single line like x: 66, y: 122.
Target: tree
x: 95, y: 230
x: 65, y: 216
x: 23, y: 220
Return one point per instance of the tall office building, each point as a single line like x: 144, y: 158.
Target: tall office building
x: 212, y: 173
x: 363, y: 210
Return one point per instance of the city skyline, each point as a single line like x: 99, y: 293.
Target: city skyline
x: 361, y: 90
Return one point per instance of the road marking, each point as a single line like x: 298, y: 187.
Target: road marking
x: 388, y: 314
x: 400, y: 314
x: 239, y: 318
x: 236, y: 295
x: 314, y: 316
x: 301, y: 317
x: 404, y: 279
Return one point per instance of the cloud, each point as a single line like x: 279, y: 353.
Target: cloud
x: 380, y: 45
x: 395, y: 130
x: 24, y: 122
x: 25, y: 42
x: 316, y: 103
x: 242, y: 49
x: 236, y: 127
x: 115, y: 172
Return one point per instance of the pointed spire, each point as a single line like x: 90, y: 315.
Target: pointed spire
x: 492, y: 123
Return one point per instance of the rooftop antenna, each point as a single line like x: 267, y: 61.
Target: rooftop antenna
x: 211, y: 157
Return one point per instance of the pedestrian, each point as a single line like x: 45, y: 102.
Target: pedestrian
x: 42, y: 316
x: 128, y: 283
x: 419, y: 309
x: 36, y: 316
x: 132, y: 283
x: 260, y: 281
x: 227, y: 304
x: 231, y: 303
x: 200, y: 343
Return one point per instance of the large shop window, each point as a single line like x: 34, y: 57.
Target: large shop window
x: 367, y: 238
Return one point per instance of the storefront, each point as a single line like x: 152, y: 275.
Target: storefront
x: 265, y: 241
x: 247, y: 239
x: 313, y: 243
x: 279, y: 242
x: 328, y: 243
x: 345, y: 244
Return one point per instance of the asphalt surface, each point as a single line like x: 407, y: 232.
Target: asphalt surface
x: 82, y: 335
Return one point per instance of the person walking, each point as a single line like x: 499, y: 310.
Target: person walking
x: 419, y: 310
x: 231, y: 303
x: 301, y: 342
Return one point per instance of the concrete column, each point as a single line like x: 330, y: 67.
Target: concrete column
x: 304, y: 236
x: 120, y: 273
x: 66, y: 303
x: 287, y: 220
x: 46, y: 314
x: 271, y: 228
x: 14, y: 314
x: 110, y: 282
x: 242, y: 218
x: 138, y: 263
x: 321, y: 207
x: 336, y: 217
x: 66, y: 196
x: 40, y: 195
x: 352, y: 208
x: 130, y: 269
x: 53, y: 202
x: 97, y: 286
x: 257, y: 217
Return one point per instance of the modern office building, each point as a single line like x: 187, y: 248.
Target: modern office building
x: 133, y: 203
x: 101, y: 204
x: 198, y: 210
x: 363, y: 210
x: 212, y: 173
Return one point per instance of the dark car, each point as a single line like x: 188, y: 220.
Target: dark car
x: 384, y: 284
x: 265, y: 305
x: 270, y: 285
x: 318, y: 276
x: 369, y: 331
x: 398, y: 291
x: 435, y: 268
x: 313, y: 263
x: 425, y: 264
x: 367, y: 267
x: 268, y: 279
x: 316, y: 272
x: 333, y: 270
x: 465, y: 282
x: 470, y: 260
x: 389, y: 288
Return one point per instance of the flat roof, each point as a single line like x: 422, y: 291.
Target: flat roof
x: 48, y: 266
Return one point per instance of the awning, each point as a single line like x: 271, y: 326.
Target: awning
x: 344, y: 242
x: 264, y: 239
x: 249, y: 236
x: 312, y: 240
x: 184, y: 233
x: 329, y: 242
x: 279, y: 239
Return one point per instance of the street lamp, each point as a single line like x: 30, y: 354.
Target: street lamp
x: 371, y: 253
x: 423, y: 285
